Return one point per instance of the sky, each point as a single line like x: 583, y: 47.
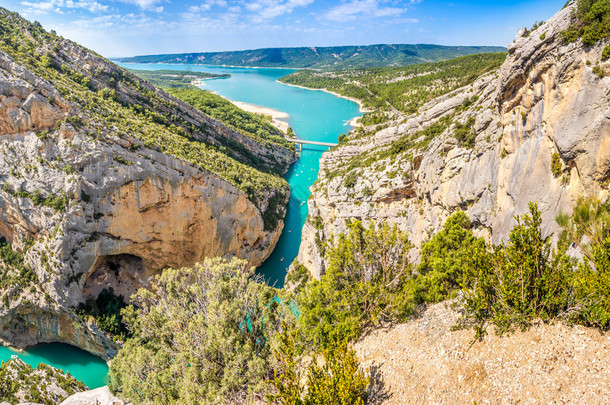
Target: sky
x: 117, y: 28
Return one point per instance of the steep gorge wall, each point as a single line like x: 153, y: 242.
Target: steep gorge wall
x: 92, y: 210
x: 545, y: 99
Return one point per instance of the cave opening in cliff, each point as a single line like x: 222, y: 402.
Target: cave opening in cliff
x: 123, y: 274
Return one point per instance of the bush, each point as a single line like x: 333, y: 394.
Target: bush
x: 366, y: 283
x: 338, y: 380
x: 465, y: 134
x: 556, y: 164
x: 517, y: 283
x: 201, y: 334
x: 606, y: 53
x: 592, y: 22
x: 587, y: 226
x: 592, y: 288
x: 444, y: 258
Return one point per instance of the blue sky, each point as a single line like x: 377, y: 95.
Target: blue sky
x: 135, y: 27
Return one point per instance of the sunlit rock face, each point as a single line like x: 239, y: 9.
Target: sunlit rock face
x: 91, y: 210
x: 544, y: 100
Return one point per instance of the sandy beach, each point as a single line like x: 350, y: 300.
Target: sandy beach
x: 278, y: 117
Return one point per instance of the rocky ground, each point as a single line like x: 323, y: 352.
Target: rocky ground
x: 19, y: 382
x: 423, y: 361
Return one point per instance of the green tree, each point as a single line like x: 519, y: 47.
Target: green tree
x: 519, y: 282
x: 201, y: 335
x: 364, y: 284
x: 587, y: 226
x: 335, y: 379
x: 444, y: 258
x: 592, y: 288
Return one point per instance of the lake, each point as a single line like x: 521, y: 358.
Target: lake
x: 83, y: 365
x: 314, y: 116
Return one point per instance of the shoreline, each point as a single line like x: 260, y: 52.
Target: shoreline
x: 361, y: 108
x: 278, y: 118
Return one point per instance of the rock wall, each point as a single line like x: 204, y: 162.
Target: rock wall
x: 545, y: 99
x: 89, y: 209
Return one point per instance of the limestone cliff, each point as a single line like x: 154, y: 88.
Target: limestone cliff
x: 106, y: 180
x: 536, y: 130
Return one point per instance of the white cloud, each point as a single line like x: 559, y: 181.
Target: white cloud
x: 207, y: 5
x: 57, y: 5
x: 353, y: 9
x: 150, y: 5
x: 269, y: 9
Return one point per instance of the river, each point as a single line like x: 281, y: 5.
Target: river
x: 313, y: 115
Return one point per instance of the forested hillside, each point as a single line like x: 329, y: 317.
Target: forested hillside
x: 404, y: 88
x: 176, y: 78
x: 327, y: 58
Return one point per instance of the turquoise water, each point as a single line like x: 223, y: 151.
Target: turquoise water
x: 314, y: 115
x: 86, y: 367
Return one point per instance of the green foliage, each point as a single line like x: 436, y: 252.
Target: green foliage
x: 587, y: 226
x: 19, y: 380
x: 599, y: 71
x: 404, y: 88
x: 374, y: 118
x: 465, y: 133
x: 350, y: 179
x: 338, y: 380
x: 15, y: 273
x: 334, y: 57
x: 364, y: 285
x: 592, y: 288
x: 592, y: 22
x: 251, y: 125
x: 444, y: 258
x: 176, y: 79
x: 201, y: 335
x: 59, y: 203
x: 106, y: 309
x: 606, y: 52
x: 556, y: 164
x: 517, y: 283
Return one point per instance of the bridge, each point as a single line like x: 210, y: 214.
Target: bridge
x: 304, y: 142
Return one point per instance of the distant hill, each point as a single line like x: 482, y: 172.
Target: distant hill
x: 334, y: 57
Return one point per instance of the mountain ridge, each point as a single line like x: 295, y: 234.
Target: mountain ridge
x: 330, y: 58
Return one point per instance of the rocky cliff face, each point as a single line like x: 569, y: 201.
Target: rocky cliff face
x: 541, y: 130
x: 106, y: 180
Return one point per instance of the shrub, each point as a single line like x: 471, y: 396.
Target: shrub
x: 201, y: 334
x: 592, y: 288
x: 465, y: 134
x: 556, y: 164
x: 350, y: 179
x: 338, y: 380
x: 587, y: 226
x: 592, y: 22
x: 444, y: 258
x: 519, y: 282
x: 606, y: 52
x: 366, y: 283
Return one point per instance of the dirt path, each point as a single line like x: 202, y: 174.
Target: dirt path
x: 423, y: 362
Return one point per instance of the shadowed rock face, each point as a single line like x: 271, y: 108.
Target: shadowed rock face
x: 128, y: 211
x: 545, y: 99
